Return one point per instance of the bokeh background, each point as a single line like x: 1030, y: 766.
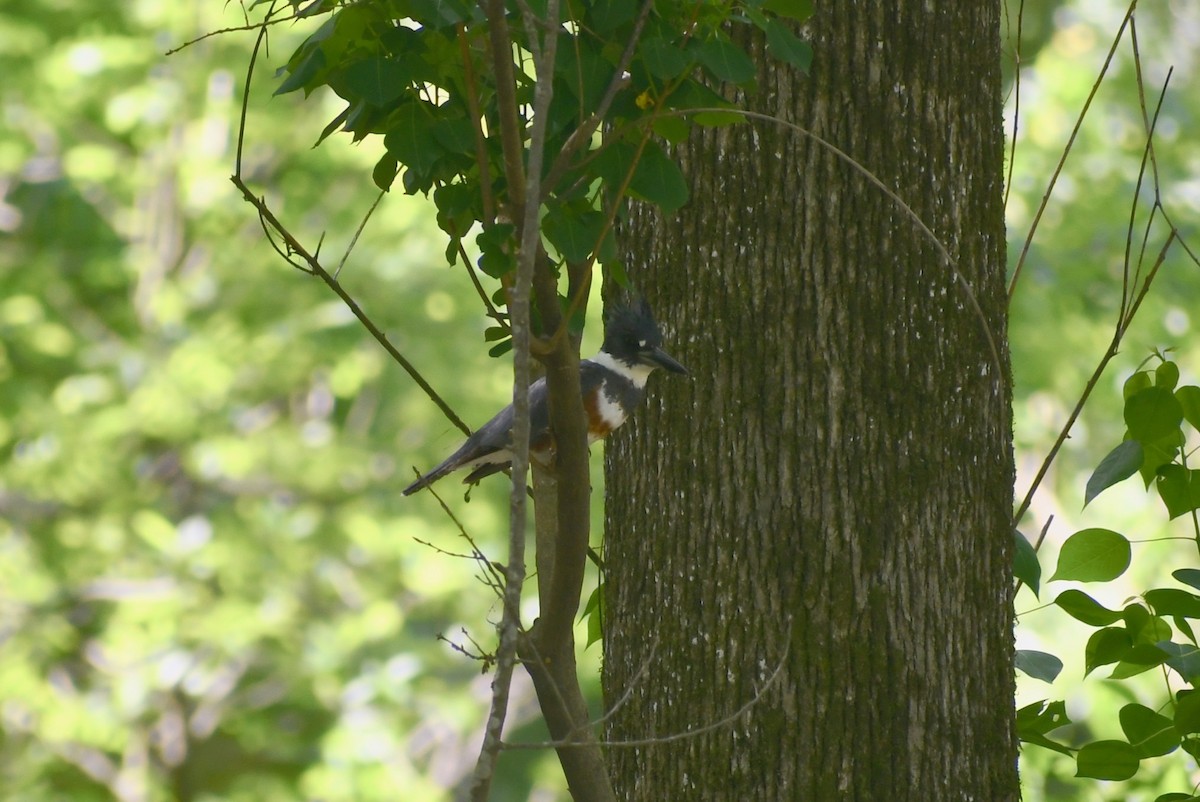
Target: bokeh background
x: 210, y: 587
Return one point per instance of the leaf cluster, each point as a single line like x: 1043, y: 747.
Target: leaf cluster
x: 1154, y: 630
x: 629, y: 79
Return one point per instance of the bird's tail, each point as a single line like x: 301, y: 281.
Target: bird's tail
x: 429, y: 478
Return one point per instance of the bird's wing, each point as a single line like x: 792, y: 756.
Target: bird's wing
x: 493, y: 436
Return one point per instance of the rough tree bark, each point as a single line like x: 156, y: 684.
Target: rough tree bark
x: 832, y: 492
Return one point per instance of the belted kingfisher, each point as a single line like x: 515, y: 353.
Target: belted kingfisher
x: 613, y: 382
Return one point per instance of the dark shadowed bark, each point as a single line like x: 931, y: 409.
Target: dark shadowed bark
x: 832, y: 490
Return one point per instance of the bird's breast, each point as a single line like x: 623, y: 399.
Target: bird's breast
x: 604, y: 413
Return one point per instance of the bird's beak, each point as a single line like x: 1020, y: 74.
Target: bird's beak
x: 661, y: 359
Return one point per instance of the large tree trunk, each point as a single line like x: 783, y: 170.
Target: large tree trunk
x: 832, y: 491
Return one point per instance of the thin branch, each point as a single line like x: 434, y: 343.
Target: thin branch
x: 358, y: 233
x: 1012, y: 152
x: 249, y: 26
x: 584, y: 132
x: 1089, y: 387
x: 1058, y: 168
x: 1129, y: 308
x: 311, y: 264
x: 481, y: 156
x: 519, y: 311
x: 314, y: 266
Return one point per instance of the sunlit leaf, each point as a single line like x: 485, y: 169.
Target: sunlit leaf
x: 1149, y: 733
x: 1106, y: 646
x: 1120, y: 463
x: 1093, y: 555
x: 1036, y: 719
x: 1039, y: 665
x: 1152, y: 413
x: 1189, y: 399
x: 1083, y: 607
x: 1184, y: 658
x: 1107, y: 760
x: 1188, y: 576
x: 1026, y: 567
x: 1179, y: 489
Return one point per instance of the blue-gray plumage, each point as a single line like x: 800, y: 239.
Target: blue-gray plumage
x: 613, y: 382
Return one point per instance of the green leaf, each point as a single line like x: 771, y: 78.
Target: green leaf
x: 1187, y: 712
x: 1177, y: 797
x: 494, y: 243
x: 787, y: 47
x: 1042, y: 717
x: 1188, y: 576
x: 1038, y: 665
x: 1139, y: 659
x: 1159, y: 453
x: 725, y: 60
x: 1093, y: 555
x: 1166, y: 375
x: 799, y: 10
x: 1171, y: 601
x: 1025, y: 563
x: 694, y: 95
x: 1189, y: 399
x: 454, y: 135
x: 659, y: 180
x: 1037, y: 719
x: 572, y: 232
x: 501, y: 349
x: 1179, y: 488
x: 607, y: 15
x: 593, y: 611
x: 1107, y: 760
x: 377, y: 80
x: 385, y: 172
x: 410, y: 137
x: 304, y: 72
x: 1152, y: 413
x: 584, y: 73
x: 455, y: 208
x: 1149, y: 733
x: 1083, y: 607
x: 655, y: 178
x: 1106, y: 646
x: 1121, y: 463
x: 1191, y: 745
x: 663, y: 59
x: 439, y: 13
x: 673, y: 129
x: 1184, y: 628
x: 1135, y: 384
x: 1184, y: 658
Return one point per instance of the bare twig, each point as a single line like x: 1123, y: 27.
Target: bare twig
x: 311, y: 264
x: 1131, y: 300
x: 358, y: 233
x: 584, y: 132
x: 1087, y: 104
x: 1012, y: 152
x: 519, y: 311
